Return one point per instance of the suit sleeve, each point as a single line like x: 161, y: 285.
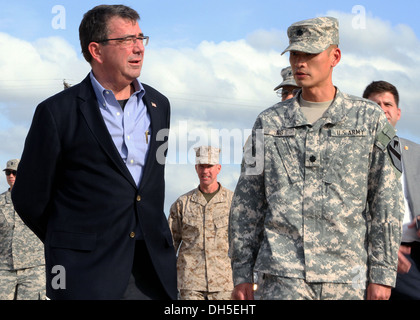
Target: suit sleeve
x: 35, y: 178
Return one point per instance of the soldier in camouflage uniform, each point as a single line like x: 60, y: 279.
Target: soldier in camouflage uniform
x: 288, y: 88
x: 199, y: 224
x: 22, y: 266
x: 315, y: 174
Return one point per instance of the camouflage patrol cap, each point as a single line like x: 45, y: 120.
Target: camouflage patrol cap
x: 288, y: 79
x: 12, y: 164
x: 207, y: 155
x: 313, y: 35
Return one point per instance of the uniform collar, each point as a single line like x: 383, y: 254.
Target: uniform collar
x: 294, y: 116
x: 198, y: 197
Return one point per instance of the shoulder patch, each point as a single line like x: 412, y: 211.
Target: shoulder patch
x: 394, y: 151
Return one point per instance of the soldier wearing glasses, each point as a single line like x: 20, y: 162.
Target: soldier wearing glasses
x: 22, y: 266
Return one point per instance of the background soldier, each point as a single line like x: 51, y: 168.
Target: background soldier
x: 199, y: 224
x: 288, y: 87
x: 408, y: 279
x: 22, y: 266
x: 301, y: 221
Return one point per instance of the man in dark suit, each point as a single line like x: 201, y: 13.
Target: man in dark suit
x: 408, y: 278
x: 91, y: 177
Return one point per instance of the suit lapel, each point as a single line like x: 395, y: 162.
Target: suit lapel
x: 90, y: 110
x: 410, y: 158
x: 153, y: 110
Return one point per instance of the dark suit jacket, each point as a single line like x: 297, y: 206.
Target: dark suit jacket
x: 75, y: 192
x: 411, y: 164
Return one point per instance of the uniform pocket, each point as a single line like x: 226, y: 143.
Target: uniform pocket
x: 221, y: 222
x: 283, y: 154
x: 347, y: 160
x: 192, y: 231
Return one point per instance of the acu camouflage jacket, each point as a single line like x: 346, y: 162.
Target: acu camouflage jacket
x: 320, y: 202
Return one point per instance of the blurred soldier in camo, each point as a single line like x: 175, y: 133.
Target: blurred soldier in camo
x: 199, y: 223
x: 288, y: 88
x: 301, y: 207
x: 22, y: 266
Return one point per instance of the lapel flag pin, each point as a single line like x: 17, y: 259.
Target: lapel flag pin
x: 154, y: 105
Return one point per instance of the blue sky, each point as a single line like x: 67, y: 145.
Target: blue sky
x: 193, y: 21
x: 217, y: 61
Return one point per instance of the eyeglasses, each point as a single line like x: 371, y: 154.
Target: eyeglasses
x: 9, y: 172
x: 284, y: 93
x: 129, y: 41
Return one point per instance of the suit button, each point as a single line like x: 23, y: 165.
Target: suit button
x: 138, y: 198
x: 132, y: 234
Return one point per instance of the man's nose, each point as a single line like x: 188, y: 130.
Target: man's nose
x: 138, y: 46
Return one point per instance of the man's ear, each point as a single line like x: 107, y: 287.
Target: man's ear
x: 95, y: 51
x: 335, y: 56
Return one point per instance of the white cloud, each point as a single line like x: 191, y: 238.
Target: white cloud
x: 30, y: 72
x: 267, y: 40
x: 381, y: 51
x: 229, y: 73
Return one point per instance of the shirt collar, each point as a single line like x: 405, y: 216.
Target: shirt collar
x: 100, y: 90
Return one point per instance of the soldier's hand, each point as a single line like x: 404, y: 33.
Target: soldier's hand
x: 243, y: 291
x: 404, y: 264
x: 378, y: 292
x: 416, y: 224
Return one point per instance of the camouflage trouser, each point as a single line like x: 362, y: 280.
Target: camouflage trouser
x: 277, y: 288
x: 204, y: 295
x: 23, y: 284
